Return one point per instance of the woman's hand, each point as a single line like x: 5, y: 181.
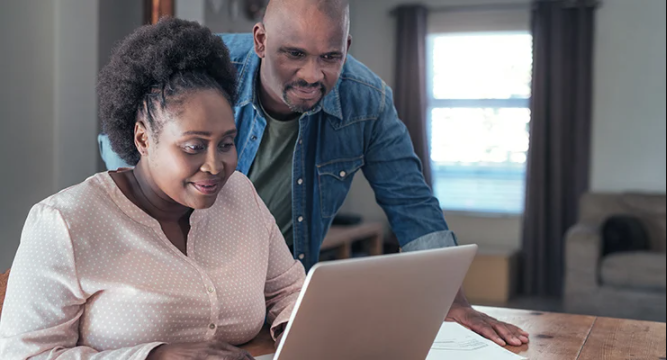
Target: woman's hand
x: 198, y: 351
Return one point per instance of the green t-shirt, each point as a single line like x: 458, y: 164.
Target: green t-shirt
x: 271, y: 172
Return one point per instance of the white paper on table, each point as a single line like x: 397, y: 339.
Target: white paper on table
x: 456, y: 342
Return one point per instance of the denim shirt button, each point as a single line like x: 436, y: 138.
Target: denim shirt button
x: 300, y: 219
x: 300, y: 181
x: 342, y: 174
x: 302, y: 256
x: 253, y: 138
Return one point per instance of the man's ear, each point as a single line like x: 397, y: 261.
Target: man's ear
x: 141, y: 138
x: 259, y: 37
x: 349, y: 43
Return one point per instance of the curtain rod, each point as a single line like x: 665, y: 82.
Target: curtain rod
x: 526, y: 5
x: 481, y: 7
x: 478, y: 7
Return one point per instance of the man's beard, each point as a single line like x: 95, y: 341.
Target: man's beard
x: 302, y: 84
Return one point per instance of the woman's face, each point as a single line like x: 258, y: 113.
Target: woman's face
x: 195, y: 152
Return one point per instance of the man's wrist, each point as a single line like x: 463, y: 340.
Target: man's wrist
x: 461, y: 300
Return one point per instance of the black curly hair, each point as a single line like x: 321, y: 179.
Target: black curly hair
x: 154, y: 68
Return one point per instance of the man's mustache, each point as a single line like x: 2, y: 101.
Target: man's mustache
x: 304, y: 85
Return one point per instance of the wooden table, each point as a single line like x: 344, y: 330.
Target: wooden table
x: 563, y: 337
x: 341, y: 238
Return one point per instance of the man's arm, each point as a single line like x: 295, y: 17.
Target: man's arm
x: 111, y: 159
x: 395, y: 174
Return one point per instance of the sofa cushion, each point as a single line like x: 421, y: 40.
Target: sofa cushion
x: 651, y: 209
x: 635, y: 270
x: 658, y: 235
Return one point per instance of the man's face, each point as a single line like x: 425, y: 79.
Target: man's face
x: 303, y: 57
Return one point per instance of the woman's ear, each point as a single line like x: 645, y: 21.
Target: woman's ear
x: 141, y: 138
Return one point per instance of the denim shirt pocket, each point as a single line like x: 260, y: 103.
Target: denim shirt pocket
x: 334, y: 179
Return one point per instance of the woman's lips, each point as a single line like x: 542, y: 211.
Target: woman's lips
x: 208, y: 187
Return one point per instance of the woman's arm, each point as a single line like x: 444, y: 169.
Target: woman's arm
x: 284, y: 278
x: 44, y: 301
x: 284, y: 281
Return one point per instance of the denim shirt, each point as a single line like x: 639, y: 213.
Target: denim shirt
x: 354, y: 128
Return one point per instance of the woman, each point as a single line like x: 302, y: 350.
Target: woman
x: 174, y: 259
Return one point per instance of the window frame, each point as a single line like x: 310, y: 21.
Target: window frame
x: 433, y: 103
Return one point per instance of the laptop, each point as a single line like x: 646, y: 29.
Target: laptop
x: 386, y: 307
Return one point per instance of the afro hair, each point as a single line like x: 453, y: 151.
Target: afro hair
x: 154, y: 67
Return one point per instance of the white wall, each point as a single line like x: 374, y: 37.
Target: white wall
x: 629, y: 99
x: 47, y: 106
x: 373, y: 32
x: 629, y: 107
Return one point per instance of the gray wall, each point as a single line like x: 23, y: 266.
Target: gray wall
x: 192, y: 10
x: 51, y: 54
x: 221, y: 22
x: 26, y: 114
x: 75, y: 73
x: 48, y: 106
x: 116, y: 19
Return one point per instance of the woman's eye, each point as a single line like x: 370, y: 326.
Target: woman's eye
x: 193, y: 148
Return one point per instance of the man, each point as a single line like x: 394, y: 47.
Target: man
x: 309, y: 117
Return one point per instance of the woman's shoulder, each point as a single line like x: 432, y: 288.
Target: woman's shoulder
x: 80, y: 197
x: 239, y: 200
x: 238, y: 193
x: 237, y: 187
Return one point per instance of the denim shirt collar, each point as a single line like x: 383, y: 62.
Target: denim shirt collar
x: 247, y: 93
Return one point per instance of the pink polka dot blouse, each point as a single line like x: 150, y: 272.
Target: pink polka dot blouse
x: 96, y: 278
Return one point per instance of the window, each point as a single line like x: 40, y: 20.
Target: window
x: 479, y: 86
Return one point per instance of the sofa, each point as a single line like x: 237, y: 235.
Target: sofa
x: 626, y: 284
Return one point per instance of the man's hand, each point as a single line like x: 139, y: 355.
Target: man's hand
x: 497, y: 331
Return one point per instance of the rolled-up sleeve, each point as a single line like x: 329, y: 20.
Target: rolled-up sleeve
x: 395, y: 174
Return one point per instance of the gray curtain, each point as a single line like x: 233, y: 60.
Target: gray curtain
x: 558, y: 165
x: 410, y: 89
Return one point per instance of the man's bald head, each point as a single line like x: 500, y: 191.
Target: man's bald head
x: 303, y: 45
x: 335, y: 10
